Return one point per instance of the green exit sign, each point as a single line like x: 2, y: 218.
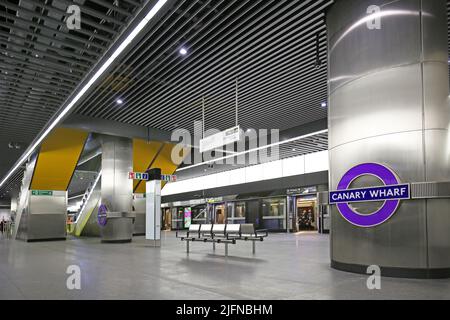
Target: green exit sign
x: 41, y: 193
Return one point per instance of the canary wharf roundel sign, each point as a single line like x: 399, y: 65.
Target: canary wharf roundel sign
x: 101, y: 215
x: 390, y: 194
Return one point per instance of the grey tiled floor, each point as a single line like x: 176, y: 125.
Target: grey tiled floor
x: 284, y: 267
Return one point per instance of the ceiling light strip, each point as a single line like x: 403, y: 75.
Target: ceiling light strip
x: 80, y: 94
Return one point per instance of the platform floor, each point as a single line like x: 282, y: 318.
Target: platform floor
x: 286, y: 266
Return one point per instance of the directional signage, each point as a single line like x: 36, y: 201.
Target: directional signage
x: 145, y: 176
x: 138, y: 176
x: 220, y: 139
x: 42, y: 193
x: 168, y: 177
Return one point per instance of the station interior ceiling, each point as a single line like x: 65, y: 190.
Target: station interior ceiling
x: 276, y: 50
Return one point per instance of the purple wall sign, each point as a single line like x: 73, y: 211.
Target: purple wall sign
x: 101, y: 215
x: 391, y: 193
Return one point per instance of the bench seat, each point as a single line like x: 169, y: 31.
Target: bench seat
x: 221, y: 233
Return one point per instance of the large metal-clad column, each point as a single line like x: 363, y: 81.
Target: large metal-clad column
x: 388, y: 104
x: 117, y: 189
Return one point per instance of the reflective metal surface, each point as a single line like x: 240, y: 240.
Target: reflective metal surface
x: 21, y: 218
x: 117, y: 189
x: 47, y: 216
x: 139, y: 209
x: 153, y: 212
x: 347, y: 31
x: 388, y: 103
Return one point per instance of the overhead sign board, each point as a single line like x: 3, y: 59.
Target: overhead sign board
x: 390, y: 194
x: 220, y: 139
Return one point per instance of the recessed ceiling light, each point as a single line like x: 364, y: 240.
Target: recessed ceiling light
x: 37, y: 56
x: 324, y: 104
x: 119, y: 101
x: 183, y: 51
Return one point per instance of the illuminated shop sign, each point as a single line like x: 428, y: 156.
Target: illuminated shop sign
x: 187, y: 217
x: 306, y: 190
x: 391, y: 194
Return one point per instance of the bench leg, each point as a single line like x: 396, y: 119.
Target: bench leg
x: 214, y: 246
x: 253, y: 247
x: 187, y: 246
x: 226, y: 249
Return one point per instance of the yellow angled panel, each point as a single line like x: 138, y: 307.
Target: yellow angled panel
x: 164, y: 160
x: 143, y: 155
x: 57, y: 159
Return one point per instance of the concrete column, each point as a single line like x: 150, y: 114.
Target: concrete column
x: 116, y: 188
x: 388, y: 104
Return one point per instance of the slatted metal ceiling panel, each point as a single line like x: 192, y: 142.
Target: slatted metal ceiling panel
x: 11, y: 188
x: 270, y: 45
x: 42, y: 61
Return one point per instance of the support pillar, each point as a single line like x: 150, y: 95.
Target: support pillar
x: 153, y: 209
x: 117, y: 189
x: 388, y: 104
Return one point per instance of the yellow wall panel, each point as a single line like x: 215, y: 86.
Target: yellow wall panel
x: 164, y: 161
x: 57, y: 159
x: 144, y: 153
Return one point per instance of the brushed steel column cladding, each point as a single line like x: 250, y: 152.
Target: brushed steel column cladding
x: 388, y: 103
x: 117, y: 189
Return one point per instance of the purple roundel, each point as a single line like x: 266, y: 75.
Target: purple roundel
x: 101, y: 215
x: 381, y: 215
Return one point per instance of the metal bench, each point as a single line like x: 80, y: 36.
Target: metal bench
x: 247, y: 232
x: 192, y: 233
x: 206, y: 232
x: 222, y: 233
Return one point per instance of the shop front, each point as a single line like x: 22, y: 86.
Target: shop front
x: 292, y: 210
